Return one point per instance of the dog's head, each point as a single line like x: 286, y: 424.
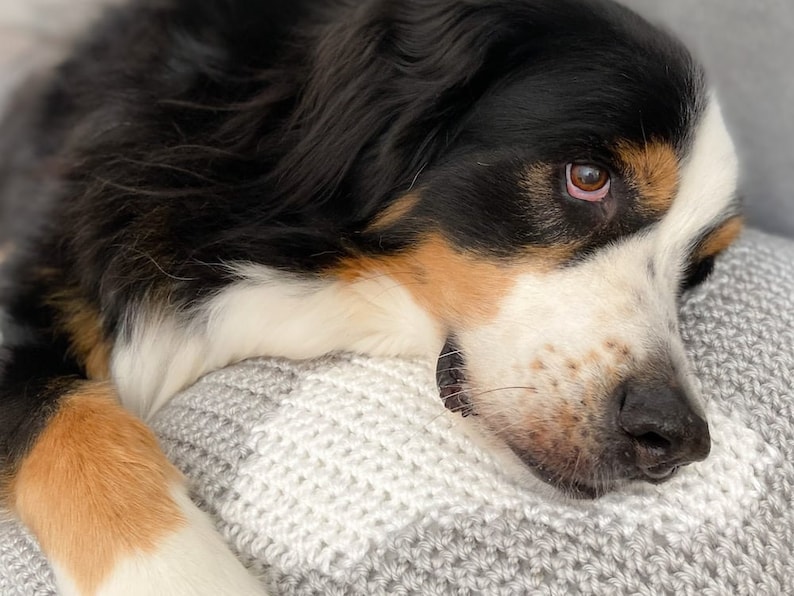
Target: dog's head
x: 568, y: 175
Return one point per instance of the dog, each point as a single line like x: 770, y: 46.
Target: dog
x: 517, y: 190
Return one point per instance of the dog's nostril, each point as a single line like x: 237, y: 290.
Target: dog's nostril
x: 655, y: 441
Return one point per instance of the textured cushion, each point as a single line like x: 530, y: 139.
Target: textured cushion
x: 345, y: 475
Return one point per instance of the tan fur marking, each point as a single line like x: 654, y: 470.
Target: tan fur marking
x: 721, y: 238
x: 536, y: 180
x: 538, y: 183
x: 567, y: 444
x: 83, y: 325
x: 454, y: 286
x: 394, y: 212
x: 95, y: 487
x: 654, y: 170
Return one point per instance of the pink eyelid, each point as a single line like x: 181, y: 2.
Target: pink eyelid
x: 592, y: 196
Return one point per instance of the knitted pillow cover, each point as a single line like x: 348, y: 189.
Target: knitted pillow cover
x: 346, y: 475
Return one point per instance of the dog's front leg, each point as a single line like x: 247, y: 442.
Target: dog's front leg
x: 109, y: 510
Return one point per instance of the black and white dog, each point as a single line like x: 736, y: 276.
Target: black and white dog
x: 524, y: 187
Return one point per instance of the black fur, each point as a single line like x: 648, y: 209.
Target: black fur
x: 183, y: 135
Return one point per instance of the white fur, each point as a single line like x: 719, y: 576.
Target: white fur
x: 194, y: 561
x: 708, y: 184
x: 274, y: 314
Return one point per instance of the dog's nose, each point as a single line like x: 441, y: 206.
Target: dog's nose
x: 665, y: 431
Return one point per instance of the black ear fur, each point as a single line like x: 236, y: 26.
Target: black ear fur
x: 383, y: 98
x: 388, y: 89
x: 185, y: 134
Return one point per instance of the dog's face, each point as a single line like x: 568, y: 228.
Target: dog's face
x: 531, y: 182
x: 573, y: 356
x: 552, y: 242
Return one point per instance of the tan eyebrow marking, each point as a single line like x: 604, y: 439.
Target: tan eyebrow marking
x: 654, y: 171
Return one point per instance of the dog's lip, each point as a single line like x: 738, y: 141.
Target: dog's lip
x: 579, y: 489
x: 569, y: 487
x: 451, y: 379
x: 660, y: 473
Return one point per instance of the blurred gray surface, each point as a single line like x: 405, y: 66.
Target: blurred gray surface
x: 748, y: 49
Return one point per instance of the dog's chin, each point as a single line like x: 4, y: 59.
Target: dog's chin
x: 577, y: 488
x: 570, y: 487
x: 454, y: 391
x: 574, y: 489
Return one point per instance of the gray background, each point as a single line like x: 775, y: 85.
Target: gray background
x: 748, y: 48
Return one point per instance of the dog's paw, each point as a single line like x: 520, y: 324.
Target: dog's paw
x: 193, y: 561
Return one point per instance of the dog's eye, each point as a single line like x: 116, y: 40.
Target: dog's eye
x: 587, y: 182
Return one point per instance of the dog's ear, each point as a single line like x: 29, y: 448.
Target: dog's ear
x: 386, y: 92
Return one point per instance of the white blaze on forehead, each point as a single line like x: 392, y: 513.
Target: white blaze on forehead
x: 709, y: 178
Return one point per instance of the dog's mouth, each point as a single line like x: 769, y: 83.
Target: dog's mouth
x: 567, y: 486
x: 456, y: 393
x: 578, y: 489
x: 451, y: 379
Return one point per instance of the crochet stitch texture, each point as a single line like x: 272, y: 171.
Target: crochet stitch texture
x: 346, y: 475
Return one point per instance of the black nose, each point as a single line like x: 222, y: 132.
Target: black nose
x: 666, y: 432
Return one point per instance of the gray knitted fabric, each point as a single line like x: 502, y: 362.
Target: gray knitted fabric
x: 346, y: 476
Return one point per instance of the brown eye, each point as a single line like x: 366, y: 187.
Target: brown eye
x: 587, y: 182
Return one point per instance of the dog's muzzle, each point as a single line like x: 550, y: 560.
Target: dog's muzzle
x: 645, y: 429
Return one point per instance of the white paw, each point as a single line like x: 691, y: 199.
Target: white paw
x: 194, y: 561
